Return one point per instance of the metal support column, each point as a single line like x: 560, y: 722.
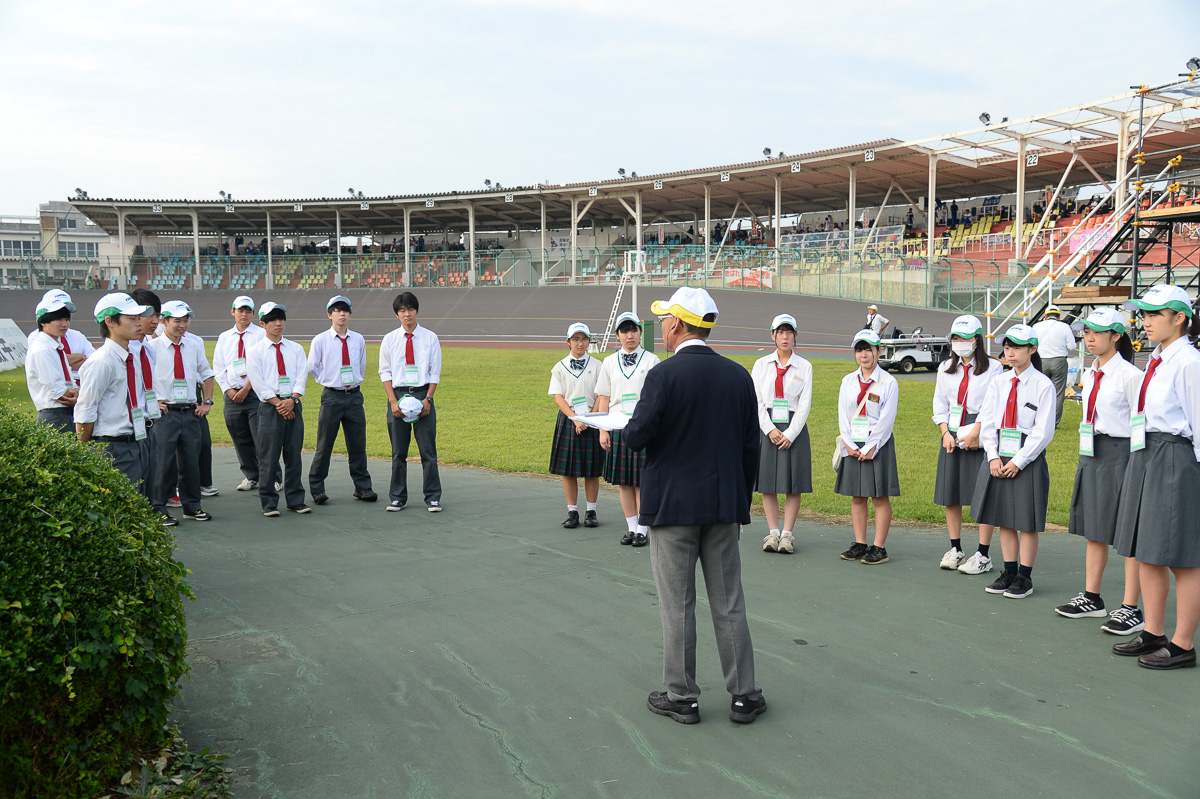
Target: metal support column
x: 545, y: 256
x: 1122, y: 162
x: 1019, y: 223
x: 121, y: 243
x: 270, y: 271
x: 198, y: 284
x: 338, y: 223
x: 407, y: 282
x: 574, y: 236
x: 471, y: 234
x: 850, y: 216
x: 638, y: 209
x: 707, y: 229
x: 778, y: 231
x: 931, y: 213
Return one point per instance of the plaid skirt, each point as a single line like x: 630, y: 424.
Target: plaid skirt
x: 575, y: 454
x: 622, y: 466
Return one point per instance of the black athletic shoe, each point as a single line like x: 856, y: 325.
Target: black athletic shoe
x: 589, y: 519
x: 572, y: 520
x: 169, y: 521
x: 627, y: 539
x: 320, y: 499
x: 744, y: 711
x: 1020, y: 588
x: 1081, y: 608
x: 199, y: 515
x: 1002, y: 584
x: 875, y: 555
x: 366, y: 496
x: 301, y: 508
x: 855, y: 552
x: 683, y: 712
x: 1125, y: 621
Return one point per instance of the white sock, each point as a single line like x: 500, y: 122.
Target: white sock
x: 775, y: 533
x: 788, y: 533
x: 591, y: 506
x: 643, y: 529
x: 632, y: 522
x: 573, y: 508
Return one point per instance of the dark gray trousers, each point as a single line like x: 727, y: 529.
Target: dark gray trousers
x: 401, y: 433
x: 129, y: 458
x: 344, y: 408
x: 241, y: 420
x: 150, y: 454
x: 62, y: 418
x: 1056, y: 370
x: 177, y: 462
x: 278, y: 436
x: 674, y: 550
x: 206, y: 478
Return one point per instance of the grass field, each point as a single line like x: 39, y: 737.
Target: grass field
x: 494, y: 413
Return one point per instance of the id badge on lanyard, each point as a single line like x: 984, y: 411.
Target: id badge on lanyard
x: 285, y: 387
x: 1137, y: 432
x: 410, y: 375
x: 779, y: 410
x: 629, y: 402
x: 579, y: 405
x: 180, y: 391
x: 956, y: 414
x: 1010, y: 441
x: 860, y: 428
x: 347, y: 374
x: 1087, y: 439
x: 139, y: 423
x: 152, y: 411
x: 239, y: 367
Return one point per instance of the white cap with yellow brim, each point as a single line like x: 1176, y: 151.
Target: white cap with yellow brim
x: 689, y: 304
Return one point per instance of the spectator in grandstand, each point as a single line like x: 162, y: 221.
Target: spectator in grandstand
x: 618, y: 388
x: 575, y: 448
x: 278, y: 375
x: 47, y: 373
x: 1055, y: 343
x: 410, y: 364
x: 232, y: 375
x: 867, y: 404
x: 337, y: 360
x: 908, y: 218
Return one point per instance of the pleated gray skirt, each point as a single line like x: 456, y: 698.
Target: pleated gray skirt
x: 957, y: 473
x: 1017, y: 502
x: 1160, y: 503
x: 1097, y: 489
x: 785, y: 471
x: 877, y: 477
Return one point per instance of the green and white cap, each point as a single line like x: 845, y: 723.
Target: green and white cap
x: 53, y: 300
x: 267, y: 307
x: 243, y: 302
x: 869, y: 336
x: 628, y: 316
x: 578, y: 327
x: 1102, y: 319
x: 176, y: 308
x: 966, y: 326
x: 1162, y: 297
x: 339, y: 298
x: 784, y: 319
x: 117, y: 304
x: 1020, y: 335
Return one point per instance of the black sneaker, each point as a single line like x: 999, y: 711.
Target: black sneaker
x: 627, y: 539
x: 589, y: 519
x: 1002, y: 584
x: 1081, y: 608
x: 744, y: 711
x: 1020, y: 587
x: 855, y: 552
x: 199, y: 515
x: 683, y: 712
x: 270, y: 512
x: 875, y: 555
x: 572, y: 520
x: 1125, y: 621
x: 301, y: 508
x: 320, y: 498
x: 169, y: 520
x: 366, y: 496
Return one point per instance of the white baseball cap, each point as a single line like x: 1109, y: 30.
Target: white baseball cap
x: 267, y: 307
x: 176, y: 308
x: 628, y: 316
x: 872, y: 307
x: 1102, y: 319
x: 869, y: 336
x: 690, y: 305
x: 118, y: 304
x: 966, y: 326
x: 338, y: 298
x: 579, y: 327
x: 1161, y: 297
x: 784, y: 319
x: 1053, y: 309
x: 243, y: 302
x: 1020, y: 335
x: 411, y: 407
x: 53, y: 300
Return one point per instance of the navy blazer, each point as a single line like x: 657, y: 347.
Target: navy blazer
x: 697, y: 421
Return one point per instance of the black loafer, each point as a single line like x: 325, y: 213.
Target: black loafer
x: 366, y: 496
x: 744, y: 711
x: 320, y: 499
x: 683, y: 712
x: 589, y: 519
x: 1144, y: 644
x: 640, y: 540
x: 572, y: 520
x: 627, y: 538
x: 1162, y: 659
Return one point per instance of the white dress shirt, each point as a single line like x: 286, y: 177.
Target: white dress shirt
x: 225, y: 354
x: 945, y: 392
x: 1035, y: 414
x: 1118, y: 396
x: 44, y: 361
x: 623, y: 384
x: 578, y: 386
x: 427, y: 352
x: 876, y: 322
x: 882, y: 403
x: 797, y: 390
x: 1173, y: 394
x: 325, y: 358
x: 195, y: 368
x: 104, y: 391
x: 1055, y: 339
x: 76, y: 342
x: 264, y: 367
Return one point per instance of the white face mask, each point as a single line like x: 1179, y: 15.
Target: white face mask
x: 963, y: 349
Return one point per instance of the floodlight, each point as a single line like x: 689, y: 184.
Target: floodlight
x: 634, y: 174
x: 487, y: 182
x: 1003, y: 120
x: 222, y: 193
x: 782, y: 154
x: 767, y: 152
x: 351, y: 190
x: 1193, y: 63
x: 985, y: 118
x: 79, y: 191
x: 621, y: 171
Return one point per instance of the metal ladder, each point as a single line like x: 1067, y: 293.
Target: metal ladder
x: 628, y: 276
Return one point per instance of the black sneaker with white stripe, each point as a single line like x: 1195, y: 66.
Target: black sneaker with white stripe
x: 1081, y: 608
x: 1125, y: 621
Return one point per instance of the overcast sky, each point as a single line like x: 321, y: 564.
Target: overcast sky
x: 293, y: 99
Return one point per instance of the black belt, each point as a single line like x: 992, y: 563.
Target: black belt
x: 127, y: 439
x: 350, y: 390
x: 411, y: 389
x: 189, y: 408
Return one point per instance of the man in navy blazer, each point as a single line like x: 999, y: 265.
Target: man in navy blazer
x: 697, y: 422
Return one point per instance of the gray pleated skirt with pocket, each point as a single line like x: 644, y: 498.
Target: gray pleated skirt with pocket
x: 1017, y: 502
x: 1097, y: 491
x: 785, y: 471
x: 877, y: 477
x: 1160, y: 504
x: 957, y: 473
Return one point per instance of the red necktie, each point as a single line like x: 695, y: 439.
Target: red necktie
x: 1010, y: 410
x: 1154, y: 362
x: 862, y: 392
x: 146, y: 371
x: 962, y: 393
x: 179, y: 373
x: 1091, y: 406
x: 66, y: 345
x: 131, y: 378
x: 409, y: 357
x: 779, y: 373
x: 63, y: 359
x: 346, y: 350
x: 241, y: 345
x: 279, y: 364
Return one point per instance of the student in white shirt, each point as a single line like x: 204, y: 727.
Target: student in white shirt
x: 783, y: 386
x: 146, y: 357
x: 1055, y: 344
x: 1110, y: 392
x: 1160, y: 498
x: 410, y: 363
x: 337, y: 360
x: 240, y: 408
x: 575, y: 449
x: 962, y: 382
x: 75, y: 345
x: 47, y: 371
x: 278, y: 372
x: 1016, y: 424
x: 618, y: 388
x: 867, y: 404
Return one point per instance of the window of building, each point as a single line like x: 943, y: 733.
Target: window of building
x: 66, y: 224
x: 78, y: 249
x: 18, y: 249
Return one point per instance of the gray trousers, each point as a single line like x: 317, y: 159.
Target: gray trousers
x: 150, y: 454
x: 61, y: 418
x: 1056, y: 370
x: 674, y: 550
x: 129, y: 458
x: 177, y: 462
x: 278, y: 436
x: 345, y: 409
x: 206, y: 478
x: 241, y: 420
x: 401, y: 433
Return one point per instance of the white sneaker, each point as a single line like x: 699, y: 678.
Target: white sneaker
x: 785, y: 543
x: 247, y: 485
x: 278, y: 486
x: 435, y: 506
x: 976, y: 564
x: 208, y: 491
x: 395, y: 506
x: 771, y: 543
x: 953, y: 557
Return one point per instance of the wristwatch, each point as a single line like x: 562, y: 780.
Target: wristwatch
x: 208, y: 401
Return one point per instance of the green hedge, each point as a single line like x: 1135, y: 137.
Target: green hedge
x: 92, y: 633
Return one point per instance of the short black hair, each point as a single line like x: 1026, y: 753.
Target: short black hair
x: 53, y: 316
x: 862, y: 345
x: 147, y: 297
x: 784, y: 326
x: 273, y: 314
x: 405, y: 299
x: 628, y: 325
x: 104, y: 331
x: 338, y: 306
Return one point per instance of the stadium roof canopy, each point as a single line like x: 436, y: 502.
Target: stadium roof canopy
x: 1096, y: 141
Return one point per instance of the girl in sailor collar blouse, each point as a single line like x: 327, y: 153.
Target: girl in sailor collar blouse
x: 575, y: 450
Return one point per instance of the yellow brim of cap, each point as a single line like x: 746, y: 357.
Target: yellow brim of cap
x: 658, y: 309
